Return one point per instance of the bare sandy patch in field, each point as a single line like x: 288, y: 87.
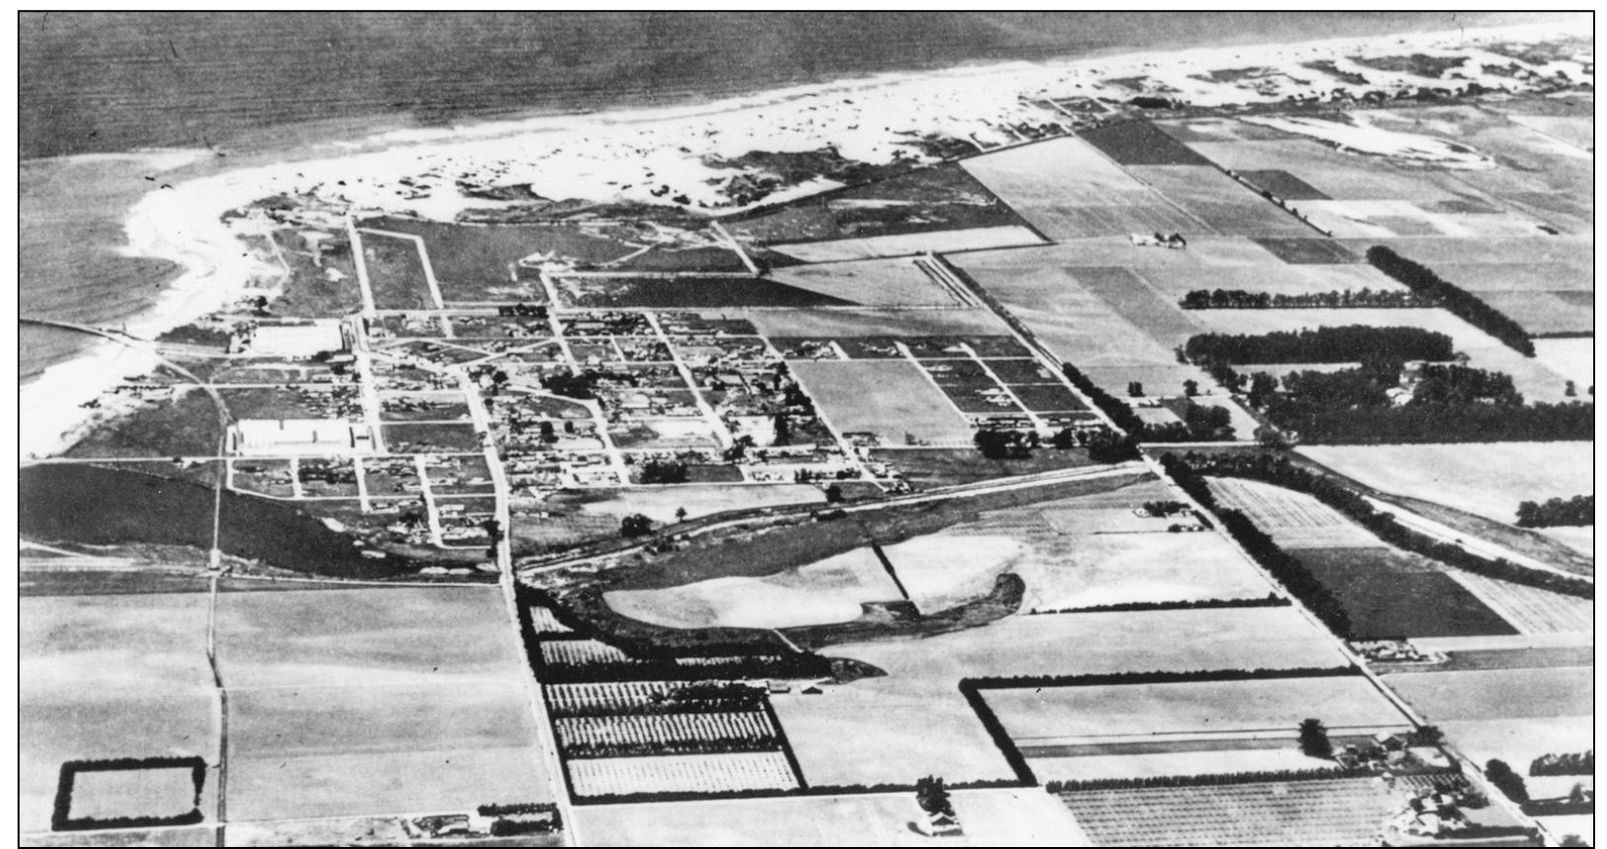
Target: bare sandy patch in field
x: 942, y: 570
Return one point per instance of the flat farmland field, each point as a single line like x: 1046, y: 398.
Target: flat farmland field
x: 1133, y: 299
x: 1100, y: 715
x: 944, y: 570
x: 909, y: 244
x: 1004, y: 817
x: 395, y: 272
x: 1294, y: 519
x: 1582, y: 540
x: 879, y: 730
x: 660, y: 503
x: 1486, y: 479
x: 1517, y: 741
x: 1343, y: 176
x: 1529, y: 609
x: 1388, y: 593
x: 109, y: 794
x: 1212, y: 757
x: 1119, y: 251
x: 1497, y: 693
x: 1310, y: 251
x: 1542, y: 276
x: 1078, y: 325
x: 875, y: 282
x: 1546, y: 312
x: 348, y: 751
x: 1284, y: 280
x: 1142, y: 143
x: 831, y: 590
x: 1117, y: 568
x: 1552, y: 259
x: 889, y: 398
x: 355, y: 637
x: 1222, y: 204
x: 1323, y: 812
x: 871, y: 322
x: 681, y: 773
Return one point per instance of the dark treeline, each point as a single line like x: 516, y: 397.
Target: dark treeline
x: 61, y: 818
x: 971, y: 689
x: 1579, y: 510
x: 1460, y: 302
x: 1322, y: 345
x: 1279, y: 471
x: 517, y: 808
x: 1270, y: 600
x: 1573, y: 763
x: 1287, y: 569
x: 1108, y: 679
x: 778, y: 793
x: 1213, y: 780
x: 1239, y: 299
x: 1449, y: 403
x: 659, y: 669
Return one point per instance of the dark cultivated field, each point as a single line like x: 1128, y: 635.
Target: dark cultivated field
x: 1047, y: 397
x: 1142, y: 143
x: 1313, y: 251
x: 1387, y: 593
x: 99, y: 506
x: 1284, y: 185
x: 689, y: 292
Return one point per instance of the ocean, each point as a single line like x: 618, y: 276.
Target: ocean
x: 255, y: 83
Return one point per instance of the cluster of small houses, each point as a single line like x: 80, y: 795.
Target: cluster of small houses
x: 1393, y: 651
x: 1431, y: 814
x: 1386, y: 751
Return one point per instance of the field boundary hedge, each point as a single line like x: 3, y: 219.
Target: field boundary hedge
x: 1458, y: 301
x: 61, y: 818
x: 1224, y: 778
x: 781, y: 793
x: 1112, y: 679
x: 1269, y: 600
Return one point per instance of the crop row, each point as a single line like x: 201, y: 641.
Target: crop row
x: 665, y: 728
x: 681, y: 773
x: 652, y: 697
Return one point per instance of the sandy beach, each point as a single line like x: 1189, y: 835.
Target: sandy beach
x: 635, y: 155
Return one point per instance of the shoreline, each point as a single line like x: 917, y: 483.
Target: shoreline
x: 623, y: 154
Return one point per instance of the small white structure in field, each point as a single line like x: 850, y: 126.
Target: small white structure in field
x: 300, y: 436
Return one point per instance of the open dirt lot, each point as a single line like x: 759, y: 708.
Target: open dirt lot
x: 889, y: 398
x: 1486, y: 479
x: 1078, y: 325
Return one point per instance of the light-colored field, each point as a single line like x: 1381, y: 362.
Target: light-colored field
x: 878, y: 730
x: 1570, y: 359
x: 1221, y: 203
x: 1118, y: 568
x: 828, y: 591
x: 1119, y: 251
x: 191, y: 835
x: 890, y: 398
x: 108, y: 676
x: 1204, y: 709
x: 1520, y: 741
x: 907, y: 244
x: 1079, y: 326
x: 660, y: 503
x: 1173, y: 763
x: 1543, y: 276
x: 1384, y: 219
x: 1546, y: 311
x: 1582, y: 540
x: 943, y: 570
x: 681, y: 773
x: 871, y: 322
x: 1292, y: 518
x: 1326, y: 812
x: 1497, y: 694
x: 1337, y: 174
x: 1007, y: 817
x: 1554, y: 259
x: 1170, y: 640
x: 341, y: 751
x: 106, y: 794
x: 1488, y: 479
x: 370, y: 636
x: 874, y: 282
x: 1158, y: 380
x: 1531, y: 610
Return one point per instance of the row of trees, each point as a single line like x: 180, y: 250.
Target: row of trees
x: 1239, y: 299
x: 1351, y: 343
x: 1280, y: 471
x: 1211, y: 780
x: 1460, y: 302
x: 1579, y: 510
x: 1111, y: 679
x: 1270, y: 600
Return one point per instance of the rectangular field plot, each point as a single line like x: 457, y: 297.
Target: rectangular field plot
x: 1485, y: 479
x: 876, y: 282
x: 1046, y: 398
x: 684, y: 291
x: 1133, y: 299
x: 109, y: 794
x: 1222, y: 204
x: 396, y: 272
x: 1078, y: 325
x: 1497, y: 694
x: 1546, y: 312
x: 1388, y: 593
x: 1142, y: 761
x: 1142, y: 143
x: 1119, y: 251
x: 1216, y: 710
x: 909, y: 244
x: 1529, y: 609
x: 681, y: 774
x: 1309, y: 251
x: 345, y: 751
x: 1325, y: 812
x: 1282, y: 280
x: 1294, y: 519
x: 872, y: 322
x: 892, y: 399
x: 1345, y: 176
x: 594, y: 736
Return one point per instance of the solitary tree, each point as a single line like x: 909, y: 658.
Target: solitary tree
x: 932, y: 796
x: 1191, y: 388
x: 1135, y: 389
x: 680, y: 514
x: 834, y: 494
x: 1314, y: 739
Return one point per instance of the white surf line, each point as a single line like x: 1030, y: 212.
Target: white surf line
x: 721, y: 432
x: 369, y: 310
x: 424, y: 261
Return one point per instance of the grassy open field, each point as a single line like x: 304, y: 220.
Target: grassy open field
x: 1215, y: 757
x: 474, y: 262
x: 1069, y: 190
x: 185, y: 426
x: 344, y: 750
x: 1495, y: 694
x: 875, y: 282
x: 1008, y: 817
x: 1570, y: 359
x: 889, y: 398
x: 1214, y: 709
x: 1078, y: 325
x: 1519, y: 741
x: 396, y: 273
x: 1305, y: 279
x: 1488, y: 480
x: 109, y: 676
x: 1294, y: 519
x: 1223, y: 205
x: 1133, y: 299
x: 108, y: 794
x: 909, y: 244
x: 1389, y: 593
x: 831, y: 590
